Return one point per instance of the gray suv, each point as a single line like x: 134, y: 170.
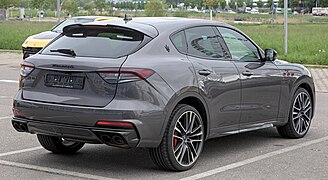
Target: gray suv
x: 167, y: 84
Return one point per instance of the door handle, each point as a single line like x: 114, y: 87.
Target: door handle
x: 247, y: 73
x: 204, y: 72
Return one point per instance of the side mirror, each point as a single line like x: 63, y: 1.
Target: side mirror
x: 270, y: 54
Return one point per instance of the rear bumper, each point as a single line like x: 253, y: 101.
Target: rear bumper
x: 54, y: 119
x: 124, y: 138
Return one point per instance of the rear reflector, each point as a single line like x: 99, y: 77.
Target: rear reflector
x: 114, y: 123
x: 18, y: 113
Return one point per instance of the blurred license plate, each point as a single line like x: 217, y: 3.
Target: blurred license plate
x: 64, y: 81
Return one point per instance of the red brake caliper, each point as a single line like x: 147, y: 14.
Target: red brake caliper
x: 175, y: 140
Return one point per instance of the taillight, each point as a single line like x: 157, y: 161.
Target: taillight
x: 26, y: 68
x: 109, y: 75
x: 124, y: 74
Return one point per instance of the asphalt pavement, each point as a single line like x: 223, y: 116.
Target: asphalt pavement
x: 260, y: 154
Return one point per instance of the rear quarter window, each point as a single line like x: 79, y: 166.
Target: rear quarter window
x: 179, y: 41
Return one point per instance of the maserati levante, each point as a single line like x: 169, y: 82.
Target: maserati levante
x: 167, y: 84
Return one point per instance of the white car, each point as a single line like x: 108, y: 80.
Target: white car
x: 279, y: 11
x: 254, y: 11
x: 248, y: 10
x: 231, y: 12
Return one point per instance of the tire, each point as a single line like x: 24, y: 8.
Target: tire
x: 59, y: 145
x: 300, y: 116
x: 182, y: 142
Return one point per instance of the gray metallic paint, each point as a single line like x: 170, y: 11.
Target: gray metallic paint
x: 260, y: 92
x: 148, y: 104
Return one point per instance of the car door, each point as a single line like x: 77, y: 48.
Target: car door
x: 217, y: 78
x: 260, y: 80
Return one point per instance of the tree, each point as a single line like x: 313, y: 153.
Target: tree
x: 222, y: 4
x: 232, y: 5
x: 322, y: 3
x: 89, y: 6
x: 259, y: 4
x: 5, y: 4
x: 52, y: 5
x: 140, y: 5
x: 172, y: 2
x: 281, y: 3
x: 100, y: 5
x: 193, y: 3
x: 270, y: 3
x: 293, y: 3
x: 43, y: 4
x: 71, y: 6
x: 240, y: 3
x: 211, y: 4
x: 9, y: 3
x: 249, y: 3
x: 155, y: 8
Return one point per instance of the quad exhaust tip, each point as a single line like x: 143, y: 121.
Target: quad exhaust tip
x: 20, y: 127
x: 112, y: 139
x: 106, y: 139
x: 118, y: 140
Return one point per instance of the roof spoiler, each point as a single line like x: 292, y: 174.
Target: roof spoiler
x: 80, y: 28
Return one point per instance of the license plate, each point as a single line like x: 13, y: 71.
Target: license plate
x: 64, y: 81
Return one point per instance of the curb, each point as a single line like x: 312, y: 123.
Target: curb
x: 10, y: 51
x: 315, y: 66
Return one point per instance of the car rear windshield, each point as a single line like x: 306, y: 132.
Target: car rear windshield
x: 97, y: 41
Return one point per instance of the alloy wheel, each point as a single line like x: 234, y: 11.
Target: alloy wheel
x: 302, y: 113
x: 188, y: 138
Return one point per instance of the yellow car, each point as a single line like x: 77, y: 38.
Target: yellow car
x: 35, y: 43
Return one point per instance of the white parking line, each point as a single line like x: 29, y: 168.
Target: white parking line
x: 20, y: 151
x: 5, y: 97
x: 45, y: 169
x: 53, y: 170
x: 254, y: 159
x: 8, y: 81
x: 5, y: 117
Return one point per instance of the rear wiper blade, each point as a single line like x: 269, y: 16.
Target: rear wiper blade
x: 64, y: 51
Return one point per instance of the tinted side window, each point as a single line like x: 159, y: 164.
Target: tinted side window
x: 179, y: 41
x: 239, y: 46
x: 203, y: 42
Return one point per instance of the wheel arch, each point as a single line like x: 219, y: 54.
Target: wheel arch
x: 193, y: 99
x: 310, y: 88
x: 305, y: 82
x: 288, y: 129
x: 197, y: 104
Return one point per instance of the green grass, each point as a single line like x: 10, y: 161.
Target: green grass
x: 307, y: 43
x: 14, y: 33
